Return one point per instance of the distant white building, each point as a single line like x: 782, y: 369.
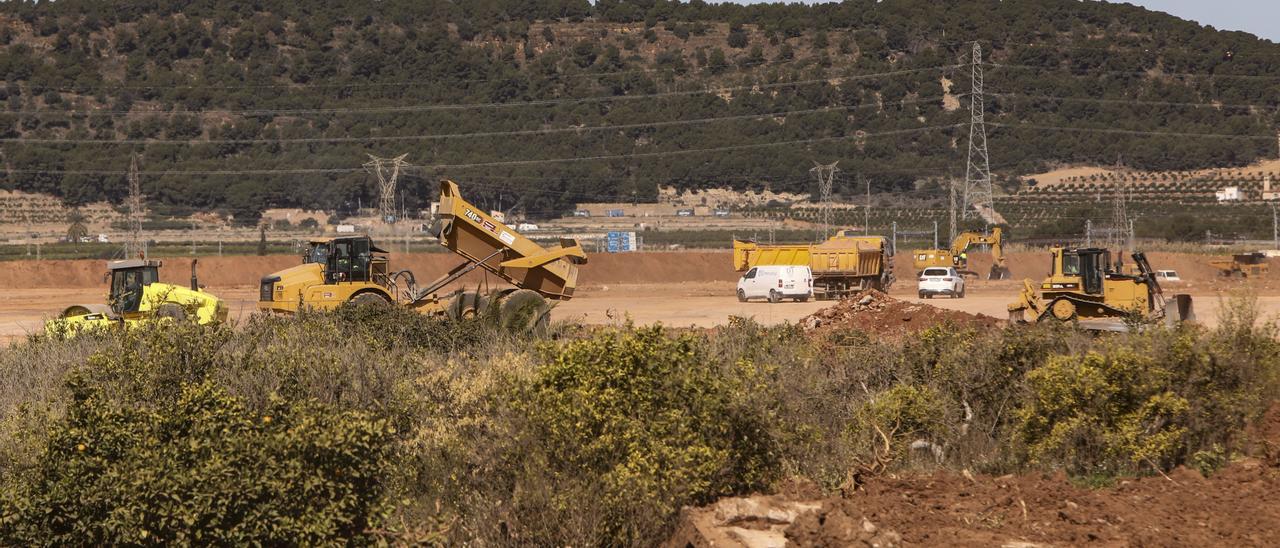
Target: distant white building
x: 1267, y: 193
x: 1229, y: 194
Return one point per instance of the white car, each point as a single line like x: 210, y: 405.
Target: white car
x: 1167, y: 276
x: 776, y: 283
x: 941, y: 281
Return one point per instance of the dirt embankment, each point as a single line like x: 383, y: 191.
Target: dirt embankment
x: 246, y: 271
x: 1237, y: 506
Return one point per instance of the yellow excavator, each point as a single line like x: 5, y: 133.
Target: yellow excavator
x: 1083, y: 287
x: 957, y: 254
x: 137, y: 296
x: 352, y: 269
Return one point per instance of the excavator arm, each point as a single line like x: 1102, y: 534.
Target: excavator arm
x: 965, y: 240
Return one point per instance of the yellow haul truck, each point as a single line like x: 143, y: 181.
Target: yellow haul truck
x: 137, y: 296
x: 957, y: 254
x: 843, y: 264
x: 353, y: 269
x: 1083, y: 287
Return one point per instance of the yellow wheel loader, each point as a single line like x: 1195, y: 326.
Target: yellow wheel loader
x: 957, y: 254
x: 137, y: 296
x: 1084, y: 288
x: 352, y: 269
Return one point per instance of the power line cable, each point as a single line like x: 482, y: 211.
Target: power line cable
x: 440, y: 136
x: 656, y: 154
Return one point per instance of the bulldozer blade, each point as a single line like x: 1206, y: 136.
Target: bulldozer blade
x: 1180, y: 308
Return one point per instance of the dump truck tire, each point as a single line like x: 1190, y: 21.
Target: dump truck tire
x: 524, y: 310
x: 466, y: 305
x: 172, y: 311
x: 367, y: 299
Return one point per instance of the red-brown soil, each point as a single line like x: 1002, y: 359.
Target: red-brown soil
x: 873, y: 311
x: 1237, y: 506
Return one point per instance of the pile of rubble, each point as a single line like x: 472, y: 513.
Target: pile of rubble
x: 874, y: 311
x: 774, y: 521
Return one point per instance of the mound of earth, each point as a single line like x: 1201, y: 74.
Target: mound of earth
x: 1237, y: 506
x: 874, y: 311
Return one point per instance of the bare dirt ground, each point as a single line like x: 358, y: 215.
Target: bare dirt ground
x: 678, y: 304
x: 1030, y: 510
x: 679, y: 289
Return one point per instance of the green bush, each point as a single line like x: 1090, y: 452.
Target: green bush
x: 199, y: 468
x: 1098, y: 413
x: 639, y: 423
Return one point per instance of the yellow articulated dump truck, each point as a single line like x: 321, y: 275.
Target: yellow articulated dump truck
x: 843, y: 264
x: 353, y: 269
x: 1083, y: 287
x: 137, y: 296
x: 1242, y: 265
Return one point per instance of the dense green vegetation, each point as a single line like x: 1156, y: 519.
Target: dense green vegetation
x: 374, y: 424
x: 302, y: 90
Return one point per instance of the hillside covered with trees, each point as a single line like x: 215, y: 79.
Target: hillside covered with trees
x: 238, y: 106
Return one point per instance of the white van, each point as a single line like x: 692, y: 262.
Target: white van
x: 776, y: 283
x: 1167, y: 276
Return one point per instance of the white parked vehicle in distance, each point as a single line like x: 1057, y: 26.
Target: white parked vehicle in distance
x: 776, y: 283
x: 1167, y: 276
x: 941, y: 281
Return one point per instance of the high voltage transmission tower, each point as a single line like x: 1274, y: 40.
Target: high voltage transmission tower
x: 977, y: 174
x: 387, y: 170
x: 826, y: 174
x: 1120, y: 222
x: 134, y: 245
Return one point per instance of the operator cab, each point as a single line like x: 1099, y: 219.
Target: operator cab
x: 347, y: 259
x: 1090, y: 265
x: 128, y: 278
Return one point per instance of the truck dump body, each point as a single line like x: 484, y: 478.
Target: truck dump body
x: 840, y: 265
x: 470, y: 232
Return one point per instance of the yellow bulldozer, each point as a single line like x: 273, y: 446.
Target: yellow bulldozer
x: 957, y: 254
x: 137, y: 296
x: 352, y: 269
x: 1083, y: 287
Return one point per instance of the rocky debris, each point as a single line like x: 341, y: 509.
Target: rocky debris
x: 871, y: 310
x: 832, y: 526
x: 774, y: 521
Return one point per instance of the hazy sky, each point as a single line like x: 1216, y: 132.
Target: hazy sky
x: 1260, y: 17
